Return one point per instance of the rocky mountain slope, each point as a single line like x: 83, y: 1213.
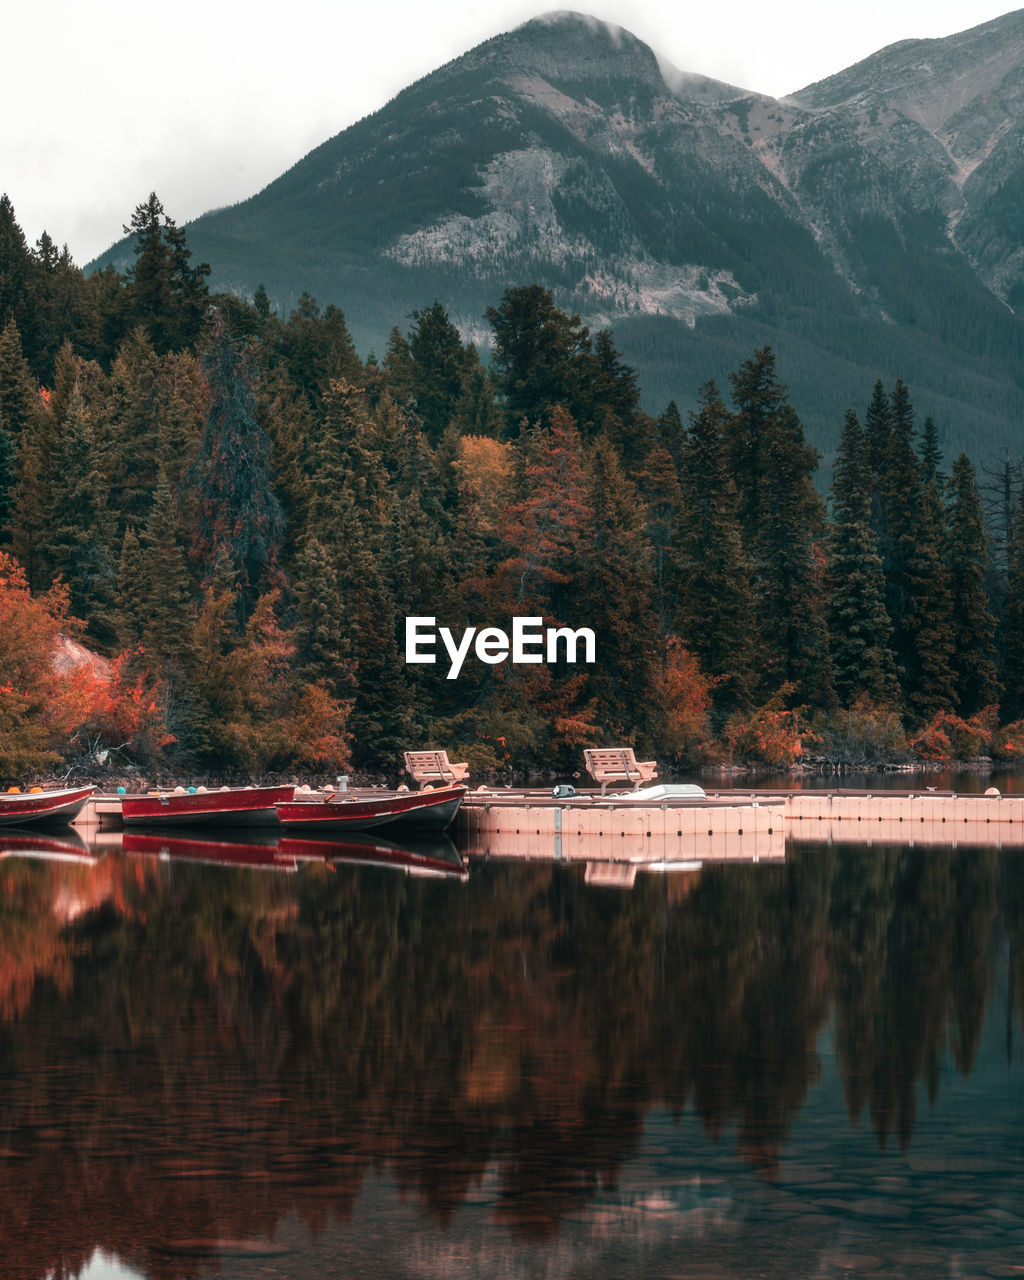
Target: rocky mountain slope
x: 869, y: 226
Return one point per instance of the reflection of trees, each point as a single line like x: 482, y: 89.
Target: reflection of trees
x: 214, y: 1048
x: 909, y: 956
x: 750, y: 1000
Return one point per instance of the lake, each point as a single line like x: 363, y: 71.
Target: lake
x: 810, y: 1067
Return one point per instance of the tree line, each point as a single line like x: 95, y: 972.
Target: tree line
x: 236, y: 513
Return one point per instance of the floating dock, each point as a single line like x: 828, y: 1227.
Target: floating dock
x: 651, y: 827
x: 670, y: 828
x: 729, y: 825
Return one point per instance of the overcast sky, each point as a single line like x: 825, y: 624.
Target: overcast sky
x: 206, y: 101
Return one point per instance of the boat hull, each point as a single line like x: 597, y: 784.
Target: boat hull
x: 32, y: 807
x: 394, y: 811
x: 237, y: 807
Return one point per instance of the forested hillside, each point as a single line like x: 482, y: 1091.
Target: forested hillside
x: 241, y: 513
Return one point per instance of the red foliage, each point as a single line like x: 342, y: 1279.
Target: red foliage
x: 950, y: 737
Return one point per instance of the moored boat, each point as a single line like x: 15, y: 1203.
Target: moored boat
x: 366, y: 811
x: 229, y: 807
x: 20, y: 808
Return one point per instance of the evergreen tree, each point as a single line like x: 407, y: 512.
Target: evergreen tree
x: 918, y: 596
x: 613, y: 596
x: 931, y: 454
x: 7, y: 481
x: 79, y: 538
x: 18, y: 281
x: 18, y: 401
x: 317, y: 349
x: 131, y: 591
x: 715, y: 611
x: 662, y: 503
x: 1012, y: 640
x: 877, y: 430
x: 671, y: 433
x: 973, y: 623
x: 167, y: 296
x: 538, y: 354
x: 781, y: 518
x: 859, y: 627
x: 437, y: 366
x: 237, y: 513
x: 168, y: 591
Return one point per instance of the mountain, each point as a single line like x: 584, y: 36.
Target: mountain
x: 869, y: 226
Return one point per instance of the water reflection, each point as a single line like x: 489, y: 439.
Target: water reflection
x: 513, y: 1070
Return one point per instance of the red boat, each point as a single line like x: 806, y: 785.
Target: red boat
x: 18, y: 808
x: 368, y: 810
x: 228, y: 807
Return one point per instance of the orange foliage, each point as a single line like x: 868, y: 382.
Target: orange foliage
x: 483, y: 467
x: 768, y: 735
x: 121, y: 712
x: 316, y: 735
x: 950, y: 737
x: 1008, y: 742
x: 46, y: 712
x: 685, y: 693
x: 33, y: 717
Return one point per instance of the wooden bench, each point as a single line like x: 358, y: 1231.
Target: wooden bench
x: 434, y: 766
x: 618, y: 764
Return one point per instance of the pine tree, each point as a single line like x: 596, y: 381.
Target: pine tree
x: 437, y: 366
x: 168, y: 592
x: 18, y: 284
x: 7, y: 481
x: 539, y: 355
x: 613, y: 595
x: 931, y: 453
x: 918, y: 596
x: 662, y: 504
x: 237, y: 513
x: 715, y: 611
x: 317, y: 348
x: 859, y: 626
x: 1012, y: 638
x: 167, y: 296
x: 781, y: 518
x: 18, y: 401
x: 974, y: 625
x: 79, y: 539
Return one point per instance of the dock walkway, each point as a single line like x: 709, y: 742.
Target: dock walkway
x: 661, y: 826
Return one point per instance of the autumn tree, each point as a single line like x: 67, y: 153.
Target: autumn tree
x: 31, y: 710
